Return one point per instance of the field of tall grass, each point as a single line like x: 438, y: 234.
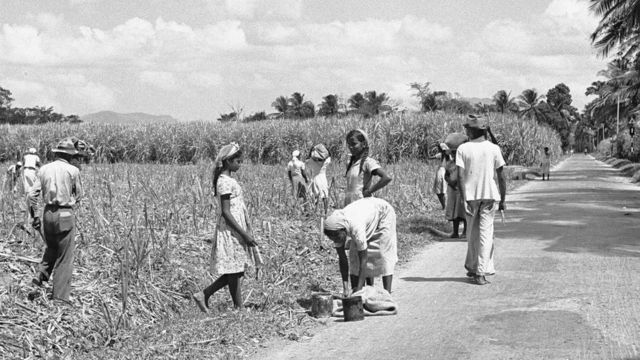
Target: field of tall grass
x: 397, y: 136
x: 144, y: 233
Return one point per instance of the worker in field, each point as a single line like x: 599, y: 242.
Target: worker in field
x: 362, y: 168
x: 297, y: 177
x: 478, y: 160
x: 316, y: 166
x: 234, y: 248
x: 61, y: 188
x: 31, y: 163
x: 454, y: 210
x: 370, y: 224
x: 13, y: 176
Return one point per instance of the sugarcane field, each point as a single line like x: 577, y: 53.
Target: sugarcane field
x: 444, y: 181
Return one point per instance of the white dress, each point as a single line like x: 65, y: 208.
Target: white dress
x: 229, y: 253
x: 371, y: 225
x: 356, y: 180
x: 319, y: 183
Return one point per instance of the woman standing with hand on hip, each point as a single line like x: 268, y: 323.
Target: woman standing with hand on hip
x: 231, y: 250
x: 362, y: 168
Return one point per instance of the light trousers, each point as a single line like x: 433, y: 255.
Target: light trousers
x: 480, y: 237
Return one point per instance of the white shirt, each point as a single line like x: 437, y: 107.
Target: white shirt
x: 479, y: 158
x: 31, y: 160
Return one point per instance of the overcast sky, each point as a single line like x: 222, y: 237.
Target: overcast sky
x: 195, y: 59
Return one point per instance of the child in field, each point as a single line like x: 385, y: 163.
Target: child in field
x: 439, y: 187
x: 454, y: 210
x: 362, y: 168
x: 297, y: 176
x: 231, y: 252
x: 317, y: 164
x: 546, y: 163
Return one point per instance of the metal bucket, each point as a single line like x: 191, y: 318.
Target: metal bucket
x: 352, y: 308
x: 321, y: 305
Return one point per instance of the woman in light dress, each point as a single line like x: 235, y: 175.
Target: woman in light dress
x: 234, y: 248
x: 297, y: 176
x: 362, y: 168
x: 316, y: 166
x: 370, y: 224
x: 454, y: 209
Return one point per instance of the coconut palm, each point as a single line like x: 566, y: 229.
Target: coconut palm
x: 356, y: 101
x: 299, y: 108
x: 503, y: 101
x: 529, y: 101
x: 619, y: 27
x: 374, y: 102
x: 281, y: 104
x: 329, y: 105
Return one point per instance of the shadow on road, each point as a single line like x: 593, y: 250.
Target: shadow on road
x: 442, y: 279
x: 579, y: 210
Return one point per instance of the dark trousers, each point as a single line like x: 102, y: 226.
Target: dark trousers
x: 59, y: 236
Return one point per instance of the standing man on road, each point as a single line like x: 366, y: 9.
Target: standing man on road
x: 478, y: 160
x: 61, y: 189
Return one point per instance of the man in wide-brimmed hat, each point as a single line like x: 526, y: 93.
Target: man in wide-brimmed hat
x: 61, y: 190
x: 478, y: 160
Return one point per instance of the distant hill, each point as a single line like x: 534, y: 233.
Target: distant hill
x: 111, y: 117
x: 474, y: 100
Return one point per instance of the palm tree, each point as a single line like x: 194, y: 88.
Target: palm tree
x: 619, y: 27
x: 281, y: 104
x: 299, y: 108
x: 329, y: 105
x: 356, y: 101
x: 529, y: 101
x: 374, y: 102
x: 503, y: 101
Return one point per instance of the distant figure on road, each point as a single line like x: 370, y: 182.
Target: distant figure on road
x: 439, y: 184
x: 370, y: 223
x: 454, y: 211
x: 297, y: 176
x: 316, y: 165
x: 478, y: 160
x: 546, y: 163
x: 61, y: 188
x: 362, y: 168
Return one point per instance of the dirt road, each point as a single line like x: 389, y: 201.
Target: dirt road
x: 567, y: 284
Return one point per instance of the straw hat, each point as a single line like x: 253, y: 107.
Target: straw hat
x: 66, y: 146
x: 476, y: 121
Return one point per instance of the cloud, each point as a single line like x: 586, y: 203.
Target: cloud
x: 29, y: 93
x: 160, y: 79
x: 205, y: 79
x: 92, y: 96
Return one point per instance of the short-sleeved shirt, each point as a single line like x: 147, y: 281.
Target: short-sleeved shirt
x: 60, y: 183
x: 31, y: 161
x: 296, y: 167
x: 478, y: 159
x: 356, y: 180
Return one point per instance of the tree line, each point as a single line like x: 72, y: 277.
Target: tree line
x: 30, y: 115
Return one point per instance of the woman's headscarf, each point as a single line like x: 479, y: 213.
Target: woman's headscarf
x: 226, y: 152
x: 319, y: 152
x: 295, y: 154
x: 336, y: 221
x: 364, y: 133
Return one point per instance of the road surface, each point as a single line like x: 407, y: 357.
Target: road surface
x: 567, y: 284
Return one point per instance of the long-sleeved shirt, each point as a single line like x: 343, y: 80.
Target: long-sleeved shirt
x: 60, y: 183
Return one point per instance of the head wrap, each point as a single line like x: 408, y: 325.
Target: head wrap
x: 364, y: 133
x: 454, y: 140
x: 444, y: 147
x: 295, y: 154
x: 31, y: 150
x: 319, y: 152
x: 336, y: 221
x: 226, y: 152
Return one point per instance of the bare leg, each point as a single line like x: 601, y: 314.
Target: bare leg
x: 220, y: 282
x: 235, y: 288
x: 386, y: 282
x: 456, y: 228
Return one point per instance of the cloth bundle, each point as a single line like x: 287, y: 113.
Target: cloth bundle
x: 319, y: 152
x: 375, y: 301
